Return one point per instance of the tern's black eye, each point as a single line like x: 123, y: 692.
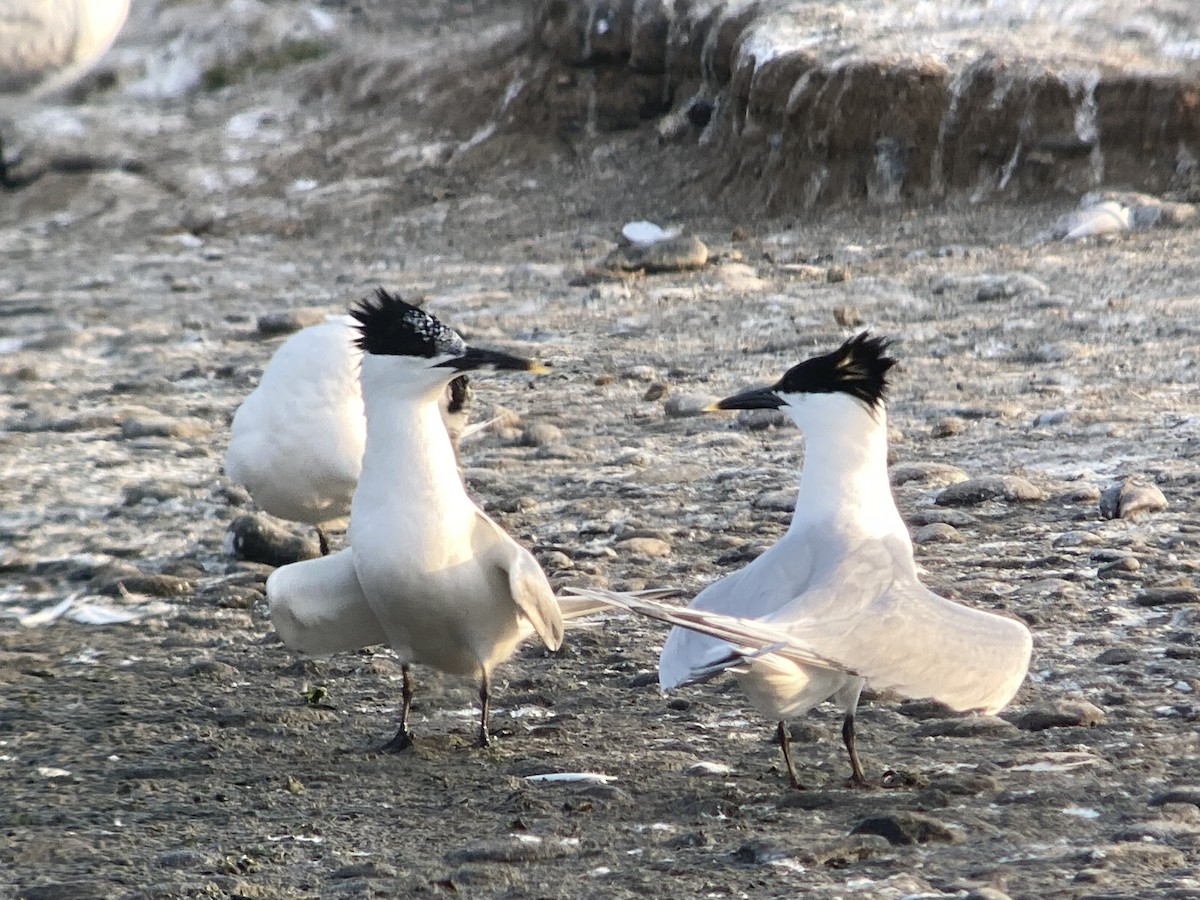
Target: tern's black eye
x: 388, y: 326
x: 859, y: 368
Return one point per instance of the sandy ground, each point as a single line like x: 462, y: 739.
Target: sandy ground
x: 178, y: 756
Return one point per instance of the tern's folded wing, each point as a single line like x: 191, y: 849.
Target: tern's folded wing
x: 527, y: 583
x: 318, y: 607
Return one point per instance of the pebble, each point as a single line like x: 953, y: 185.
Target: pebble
x: 1076, y: 539
x: 674, y: 255
x: 948, y: 426
x: 181, y: 859
x: 1052, y: 417
x: 934, y: 514
x: 1130, y: 498
x: 540, y: 434
x: 739, y: 278
x: 841, y: 852
x: 185, y: 428
x: 848, y: 316
x: 1179, y: 794
x: 1004, y: 287
x: 987, y: 893
x: 935, y: 474
x: 654, y: 548
x: 1119, y: 566
x: 685, y: 406
x: 1060, y: 713
x: 903, y: 828
x: 656, y: 392
x: 254, y: 539
x: 363, y: 870
x: 211, y: 668
x: 777, y: 501
x: 1116, y: 656
x: 1167, y: 596
x: 975, y: 491
x: 276, y: 324
x: 937, y: 532
x: 1085, y: 493
x: 761, y: 419
x: 966, y: 727
x: 555, y: 561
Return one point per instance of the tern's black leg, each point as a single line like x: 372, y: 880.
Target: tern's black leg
x: 322, y: 540
x: 785, y: 744
x: 856, y: 770
x: 485, y: 701
x: 403, y: 738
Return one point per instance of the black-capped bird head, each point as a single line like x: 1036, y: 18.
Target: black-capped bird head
x: 856, y: 371
x: 391, y: 329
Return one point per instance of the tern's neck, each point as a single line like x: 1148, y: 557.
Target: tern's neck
x: 408, y: 452
x: 844, y: 483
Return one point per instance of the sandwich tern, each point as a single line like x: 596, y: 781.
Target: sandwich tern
x: 46, y: 45
x: 296, y: 442
x: 426, y: 570
x: 837, y: 602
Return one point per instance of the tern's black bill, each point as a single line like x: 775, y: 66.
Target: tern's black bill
x: 758, y: 398
x: 475, y: 358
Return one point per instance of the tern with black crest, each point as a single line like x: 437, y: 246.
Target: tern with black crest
x: 837, y: 602
x: 427, y: 571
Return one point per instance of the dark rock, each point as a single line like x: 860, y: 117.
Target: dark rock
x: 1180, y: 794
x: 904, y: 827
x: 974, y: 491
x: 676, y: 254
x: 934, y: 474
x: 363, y: 870
x: 931, y: 515
x: 937, y: 532
x: 254, y: 539
x: 1131, y: 498
x: 1062, y: 713
x: 1116, y: 656
x: 181, y: 859
x: 841, y: 852
x: 966, y: 727
x: 1167, y: 596
x: 277, y: 324
x: 757, y: 853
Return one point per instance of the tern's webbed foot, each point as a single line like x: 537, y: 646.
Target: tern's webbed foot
x: 400, y: 742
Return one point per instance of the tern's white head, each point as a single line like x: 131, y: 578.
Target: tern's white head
x: 408, y: 352
x: 828, y: 393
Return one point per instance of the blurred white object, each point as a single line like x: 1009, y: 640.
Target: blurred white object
x: 642, y: 232
x: 48, y: 44
x: 1109, y: 217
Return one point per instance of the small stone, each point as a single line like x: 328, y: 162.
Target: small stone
x: 212, y: 668
x: 840, y: 852
x: 655, y: 392
x: 757, y: 853
x: 1076, y: 539
x: 974, y: 491
x: 1180, y: 794
x: 847, y: 316
x: 1062, y: 713
x: 540, y: 434
x: 293, y: 785
x: 254, y: 539
x: 1052, y: 417
x: 966, y: 727
x: 555, y: 561
x: 685, y: 406
x: 1119, y: 566
x: 761, y: 419
x: 948, y: 427
x: 837, y: 274
x: 1166, y: 596
x: 1130, y: 498
x: 363, y: 870
x: 1085, y: 493
x: 777, y: 501
x: 987, y: 893
x: 676, y: 254
x: 164, y: 426
x: 180, y: 859
x: 903, y: 828
x: 931, y: 514
x: 654, y: 548
x: 1003, y: 287
x: 1116, y: 656
x: 280, y: 323
x: 937, y: 532
x: 933, y: 474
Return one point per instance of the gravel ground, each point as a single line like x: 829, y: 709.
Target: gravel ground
x: 185, y: 754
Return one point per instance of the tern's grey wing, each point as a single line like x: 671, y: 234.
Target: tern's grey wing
x: 527, y: 583
x: 770, y: 582
x: 875, y: 619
